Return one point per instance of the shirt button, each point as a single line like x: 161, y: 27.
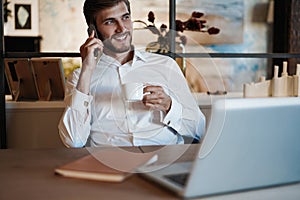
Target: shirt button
x: 86, y: 104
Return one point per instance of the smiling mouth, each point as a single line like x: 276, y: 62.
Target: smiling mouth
x: 121, y: 37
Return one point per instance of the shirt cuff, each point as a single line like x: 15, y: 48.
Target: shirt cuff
x: 80, y: 101
x: 174, y: 116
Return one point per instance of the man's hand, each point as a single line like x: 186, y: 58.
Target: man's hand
x: 87, y: 51
x: 156, y: 98
x: 89, y: 62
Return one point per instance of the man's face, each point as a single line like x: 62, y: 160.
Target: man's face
x: 115, y: 27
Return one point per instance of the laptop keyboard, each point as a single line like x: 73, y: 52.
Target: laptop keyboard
x: 180, y: 179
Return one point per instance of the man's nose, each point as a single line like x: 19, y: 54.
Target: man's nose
x: 121, y: 27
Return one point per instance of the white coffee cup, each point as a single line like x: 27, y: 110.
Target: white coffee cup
x: 133, y: 91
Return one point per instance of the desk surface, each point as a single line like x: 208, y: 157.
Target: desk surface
x: 29, y: 174
x: 202, y: 100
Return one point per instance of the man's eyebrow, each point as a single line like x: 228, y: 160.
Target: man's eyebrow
x: 108, y: 19
x: 126, y: 14
x: 113, y: 18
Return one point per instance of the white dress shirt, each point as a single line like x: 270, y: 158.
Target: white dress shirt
x: 104, y: 118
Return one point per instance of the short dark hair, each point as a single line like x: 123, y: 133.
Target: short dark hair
x: 92, y: 7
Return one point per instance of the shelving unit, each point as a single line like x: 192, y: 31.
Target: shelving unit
x: 22, y: 43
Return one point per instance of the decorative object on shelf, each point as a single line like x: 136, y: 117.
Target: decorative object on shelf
x: 283, y: 86
x: 32, y: 79
x: 194, y: 23
x: 25, y: 18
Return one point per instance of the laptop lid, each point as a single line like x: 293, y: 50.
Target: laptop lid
x: 250, y: 143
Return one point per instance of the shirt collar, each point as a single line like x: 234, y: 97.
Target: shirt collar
x: 138, y: 55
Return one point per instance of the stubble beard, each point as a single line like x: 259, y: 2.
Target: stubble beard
x: 118, y: 47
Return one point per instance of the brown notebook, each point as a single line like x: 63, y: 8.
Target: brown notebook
x: 110, y: 166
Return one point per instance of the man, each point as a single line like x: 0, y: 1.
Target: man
x: 96, y: 113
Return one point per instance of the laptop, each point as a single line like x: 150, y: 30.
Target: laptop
x: 249, y: 144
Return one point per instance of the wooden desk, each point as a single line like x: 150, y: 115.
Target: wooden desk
x: 29, y: 174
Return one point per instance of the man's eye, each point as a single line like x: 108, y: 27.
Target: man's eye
x: 126, y: 17
x: 109, y: 22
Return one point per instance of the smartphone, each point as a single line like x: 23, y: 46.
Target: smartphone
x: 90, y: 29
